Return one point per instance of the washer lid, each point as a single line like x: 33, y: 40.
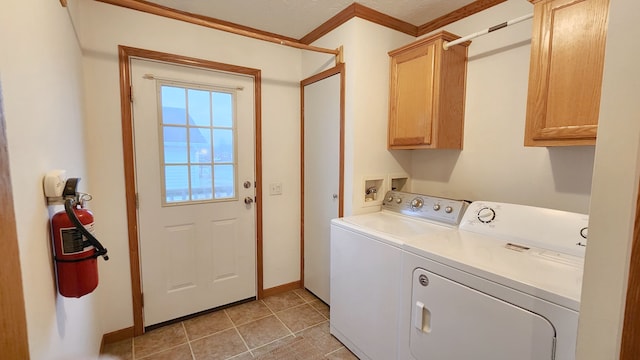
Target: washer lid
x: 390, y: 227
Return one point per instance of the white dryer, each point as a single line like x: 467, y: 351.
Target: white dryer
x: 505, y: 286
x: 366, y: 268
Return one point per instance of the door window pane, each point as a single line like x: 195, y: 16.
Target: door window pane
x: 176, y: 183
x: 223, y: 145
x: 201, y: 184
x: 200, y: 145
x: 198, y: 142
x: 175, y: 145
x: 222, y: 109
x: 174, y: 105
x: 199, y: 107
x: 224, y: 179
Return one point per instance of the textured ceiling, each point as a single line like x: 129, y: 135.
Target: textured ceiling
x: 296, y: 18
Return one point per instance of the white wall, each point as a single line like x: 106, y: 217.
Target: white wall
x: 614, y: 192
x: 367, y: 102
x: 40, y: 68
x: 103, y: 27
x: 494, y: 164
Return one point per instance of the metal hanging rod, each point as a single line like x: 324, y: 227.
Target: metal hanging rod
x: 447, y: 44
x: 226, y: 87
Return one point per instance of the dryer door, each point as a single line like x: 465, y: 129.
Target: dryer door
x: 453, y: 321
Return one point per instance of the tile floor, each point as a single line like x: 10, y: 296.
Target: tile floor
x: 289, y: 326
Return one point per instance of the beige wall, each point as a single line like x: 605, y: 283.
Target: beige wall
x: 40, y: 68
x: 103, y: 27
x: 366, y: 110
x: 43, y: 63
x: 494, y: 164
x: 614, y: 192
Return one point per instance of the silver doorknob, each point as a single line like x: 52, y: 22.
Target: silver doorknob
x: 248, y: 200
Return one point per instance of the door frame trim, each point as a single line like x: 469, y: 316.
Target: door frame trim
x: 338, y: 69
x: 125, y: 54
x: 629, y: 345
x: 13, y: 318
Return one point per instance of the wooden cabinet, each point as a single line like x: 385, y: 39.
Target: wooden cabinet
x: 427, y: 90
x: 565, y: 76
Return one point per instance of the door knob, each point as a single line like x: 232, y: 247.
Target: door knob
x: 248, y: 200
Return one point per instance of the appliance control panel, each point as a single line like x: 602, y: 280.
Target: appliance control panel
x: 447, y: 211
x: 528, y: 226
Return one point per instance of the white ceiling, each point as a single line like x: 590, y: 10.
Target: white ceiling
x: 296, y: 18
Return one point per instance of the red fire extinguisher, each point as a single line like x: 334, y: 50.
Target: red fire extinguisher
x: 75, y: 248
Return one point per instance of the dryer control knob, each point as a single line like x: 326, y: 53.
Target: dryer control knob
x: 436, y: 207
x: 398, y: 200
x: 417, y: 203
x: 448, y: 209
x: 486, y: 215
x: 390, y: 199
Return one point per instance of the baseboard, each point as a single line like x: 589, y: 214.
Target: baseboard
x: 282, y: 288
x: 115, y: 336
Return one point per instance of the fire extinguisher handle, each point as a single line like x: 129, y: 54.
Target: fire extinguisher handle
x: 69, y: 204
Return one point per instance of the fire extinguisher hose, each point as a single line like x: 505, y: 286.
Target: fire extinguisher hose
x: 69, y: 205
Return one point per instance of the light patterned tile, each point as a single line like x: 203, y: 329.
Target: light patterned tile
x: 243, y: 356
x: 247, y: 312
x: 320, y: 337
x: 299, y: 349
x: 158, y: 340
x: 263, y: 331
x: 321, y: 307
x: 122, y: 349
x: 342, y: 354
x: 273, y: 345
x: 207, y: 324
x: 283, y: 301
x: 300, y: 317
x: 305, y: 294
x: 181, y: 352
x: 221, y: 345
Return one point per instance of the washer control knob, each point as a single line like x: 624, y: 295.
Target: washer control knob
x: 416, y: 203
x: 448, y: 209
x: 390, y: 199
x: 398, y: 200
x: 436, y: 207
x: 486, y: 215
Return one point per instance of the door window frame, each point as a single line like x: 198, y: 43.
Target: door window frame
x: 125, y: 54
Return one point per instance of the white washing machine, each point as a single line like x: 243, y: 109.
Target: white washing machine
x: 366, y: 268
x: 505, y: 286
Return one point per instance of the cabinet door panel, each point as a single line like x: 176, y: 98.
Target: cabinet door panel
x: 566, y: 72
x: 427, y: 90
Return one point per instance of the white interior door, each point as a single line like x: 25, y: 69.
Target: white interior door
x: 321, y: 178
x: 194, y: 151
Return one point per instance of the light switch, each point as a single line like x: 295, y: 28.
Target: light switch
x: 275, y: 189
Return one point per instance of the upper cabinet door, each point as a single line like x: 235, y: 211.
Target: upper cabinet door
x: 427, y: 88
x: 412, y: 96
x: 565, y: 76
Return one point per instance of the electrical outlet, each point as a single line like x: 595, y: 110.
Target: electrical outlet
x: 275, y: 189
